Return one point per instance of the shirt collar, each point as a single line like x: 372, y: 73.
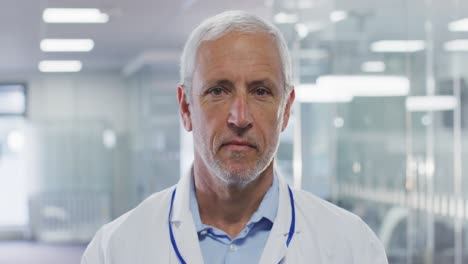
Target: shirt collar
x: 267, y: 209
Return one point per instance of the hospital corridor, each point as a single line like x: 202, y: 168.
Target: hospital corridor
x: 91, y: 125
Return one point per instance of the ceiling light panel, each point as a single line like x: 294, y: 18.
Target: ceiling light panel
x: 430, y: 103
x: 338, y: 15
x: 456, y: 45
x: 366, y: 85
x: 373, y: 66
x: 67, y: 45
x: 74, y: 15
x: 459, y: 25
x: 302, y: 30
x: 60, y: 66
x: 285, y: 18
x: 397, y: 46
x: 310, y: 93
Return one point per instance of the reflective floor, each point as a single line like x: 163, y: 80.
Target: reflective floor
x: 21, y: 252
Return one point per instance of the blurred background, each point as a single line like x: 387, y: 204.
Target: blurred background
x: 89, y: 122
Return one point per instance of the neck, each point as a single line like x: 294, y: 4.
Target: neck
x: 229, y: 207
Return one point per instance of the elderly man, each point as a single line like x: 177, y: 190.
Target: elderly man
x: 235, y: 96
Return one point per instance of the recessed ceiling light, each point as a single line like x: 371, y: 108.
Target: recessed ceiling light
x: 459, y: 25
x: 60, y: 66
x: 310, y: 93
x: 338, y: 15
x: 456, y: 45
x: 430, y: 103
x: 365, y: 85
x: 15, y: 141
x: 397, y: 46
x: 74, y: 15
x: 338, y: 122
x: 285, y: 18
x: 302, y: 30
x: 109, y: 138
x: 373, y: 66
x: 67, y: 45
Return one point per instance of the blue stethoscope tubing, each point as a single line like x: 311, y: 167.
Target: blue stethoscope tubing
x: 292, y: 227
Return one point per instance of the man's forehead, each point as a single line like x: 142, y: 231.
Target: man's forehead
x: 238, y: 40
x: 250, y: 76
x: 237, y: 33
x: 259, y: 51
x: 241, y: 58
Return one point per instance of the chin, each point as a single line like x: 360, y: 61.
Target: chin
x: 238, y: 174
x: 236, y: 179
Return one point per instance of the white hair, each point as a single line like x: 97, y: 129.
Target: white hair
x: 217, y: 26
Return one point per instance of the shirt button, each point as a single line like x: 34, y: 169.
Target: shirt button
x: 203, y: 233
x: 233, y: 248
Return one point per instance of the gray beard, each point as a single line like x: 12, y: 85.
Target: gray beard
x: 244, y: 176
x: 241, y: 177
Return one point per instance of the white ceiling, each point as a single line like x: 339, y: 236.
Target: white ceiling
x: 137, y: 27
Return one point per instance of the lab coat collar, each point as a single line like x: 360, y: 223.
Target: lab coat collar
x: 181, y: 211
x: 275, y: 248
x: 187, y: 238
x: 184, y: 230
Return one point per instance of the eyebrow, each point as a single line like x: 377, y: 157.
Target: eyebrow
x: 265, y: 82
x: 226, y: 82
x: 223, y: 82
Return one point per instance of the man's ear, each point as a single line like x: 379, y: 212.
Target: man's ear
x: 184, y: 108
x: 287, y: 110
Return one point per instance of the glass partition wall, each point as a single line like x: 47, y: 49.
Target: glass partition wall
x: 382, y: 117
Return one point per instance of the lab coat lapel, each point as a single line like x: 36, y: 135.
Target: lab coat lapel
x: 275, y: 248
x: 183, y: 226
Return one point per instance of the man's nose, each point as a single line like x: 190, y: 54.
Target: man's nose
x: 240, y: 116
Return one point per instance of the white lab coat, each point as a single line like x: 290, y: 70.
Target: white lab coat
x: 325, y: 234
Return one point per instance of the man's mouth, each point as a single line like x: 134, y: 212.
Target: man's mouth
x: 238, y: 144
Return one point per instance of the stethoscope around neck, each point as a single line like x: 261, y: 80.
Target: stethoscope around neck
x: 292, y: 226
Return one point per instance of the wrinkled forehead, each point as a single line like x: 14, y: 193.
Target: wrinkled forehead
x: 260, y: 40
x: 259, y: 48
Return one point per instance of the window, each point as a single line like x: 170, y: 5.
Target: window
x: 13, y: 99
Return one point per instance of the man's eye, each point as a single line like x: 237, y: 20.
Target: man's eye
x: 216, y: 91
x: 261, y: 91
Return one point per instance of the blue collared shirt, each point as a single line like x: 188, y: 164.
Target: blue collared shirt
x: 218, y: 247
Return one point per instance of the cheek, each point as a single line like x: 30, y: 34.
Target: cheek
x: 207, y: 123
x: 269, y: 113
x: 269, y: 122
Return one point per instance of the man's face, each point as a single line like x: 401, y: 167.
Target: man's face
x: 238, y: 107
